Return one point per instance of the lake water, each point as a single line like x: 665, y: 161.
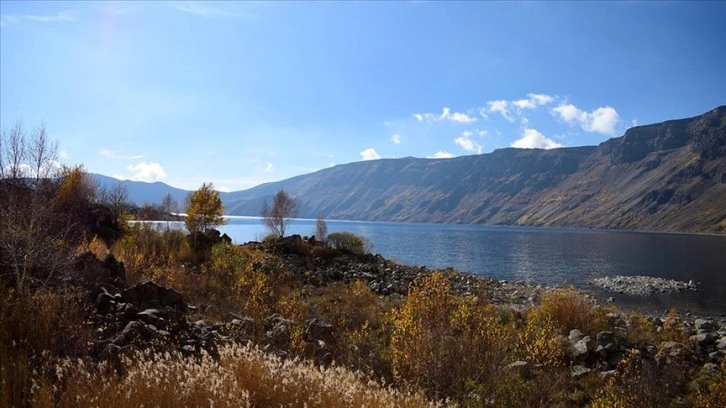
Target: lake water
x: 543, y: 255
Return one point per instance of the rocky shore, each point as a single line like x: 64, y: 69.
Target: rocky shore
x: 643, y: 285
x: 128, y: 317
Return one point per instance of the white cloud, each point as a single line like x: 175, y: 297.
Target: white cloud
x: 481, y: 132
x: 461, y: 118
x: 202, y: 10
x: 446, y: 114
x: 483, y: 113
x: 533, y: 101
x: 602, y: 120
x: 440, y: 155
x: 44, y: 18
x: 370, y: 154
x: 500, y: 107
x: 111, y: 155
x: 396, y: 139
x: 63, y: 154
x: 465, y: 142
x: 533, y: 139
x: 269, y: 167
x: 146, y: 171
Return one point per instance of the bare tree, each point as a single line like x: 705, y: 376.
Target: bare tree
x: 169, y: 206
x: 277, y: 217
x: 43, y: 154
x: 14, y: 151
x: 32, y: 246
x: 321, y: 229
x: 116, y: 198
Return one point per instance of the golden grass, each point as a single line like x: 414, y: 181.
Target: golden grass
x: 37, y: 327
x: 243, y: 377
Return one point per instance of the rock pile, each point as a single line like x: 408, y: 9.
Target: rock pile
x: 385, y: 277
x: 147, y: 315
x: 643, y: 285
x: 602, y: 352
x: 143, y: 315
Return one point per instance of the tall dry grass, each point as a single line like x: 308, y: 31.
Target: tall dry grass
x: 243, y: 377
x: 37, y: 327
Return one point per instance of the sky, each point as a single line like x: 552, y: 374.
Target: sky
x: 244, y: 93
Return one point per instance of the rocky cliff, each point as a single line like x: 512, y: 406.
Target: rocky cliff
x: 669, y: 176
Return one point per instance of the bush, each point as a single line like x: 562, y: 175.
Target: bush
x: 435, y: 331
x: 567, y: 309
x: 347, y: 241
x: 147, y: 250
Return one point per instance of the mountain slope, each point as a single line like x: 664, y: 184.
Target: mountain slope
x: 666, y: 177
x: 142, y: 192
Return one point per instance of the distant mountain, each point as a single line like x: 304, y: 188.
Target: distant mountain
x: 669, y: 176
x: 141, y: 192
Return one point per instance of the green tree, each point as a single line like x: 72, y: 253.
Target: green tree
x: 277, y: 217
x: 204, y: 210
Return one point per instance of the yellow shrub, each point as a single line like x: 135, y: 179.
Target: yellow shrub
x: 434, y: 332
x: 625, y: 388
x: 714, y: 395
x: 567, y: 309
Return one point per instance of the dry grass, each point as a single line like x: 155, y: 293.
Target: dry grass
x: 37, y: 327
x: 244, y: 377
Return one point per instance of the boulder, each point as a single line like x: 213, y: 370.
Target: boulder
x: 705, y: 325
x: 318, y: 330
x: 703, y: 339
x: 575, y: 335
x: 579, y: 371
x: 580, y: 351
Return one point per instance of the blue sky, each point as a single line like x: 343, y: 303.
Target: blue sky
x: 245, y: 93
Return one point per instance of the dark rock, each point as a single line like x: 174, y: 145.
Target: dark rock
x: 579, y: 371
x: 318, y: 330
x: 149, y: 316
x: 703, y: 339
x: 104, y: 301
x: 606, y: 339
x: 704, y: 324
x: 575, y: 335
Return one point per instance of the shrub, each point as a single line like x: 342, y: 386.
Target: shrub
x: 714, y: 393
x: 347, y: 241
x: 434, y: 331
x: 567, y: 309
x: 147, y: 249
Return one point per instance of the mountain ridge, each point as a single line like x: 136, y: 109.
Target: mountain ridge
x: 668, y: 176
